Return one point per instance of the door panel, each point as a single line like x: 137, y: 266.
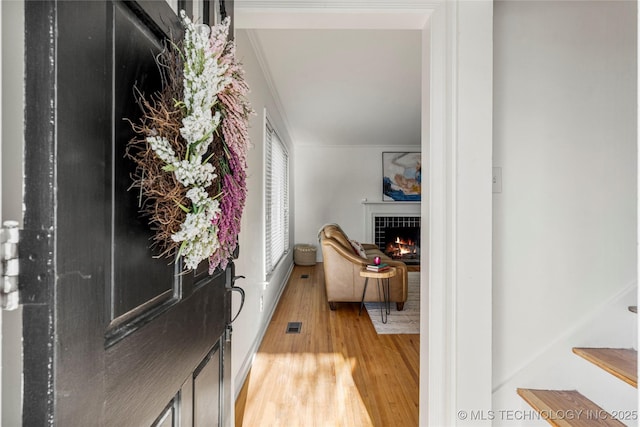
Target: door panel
x: 185, y: 416
x: 139, y: 283
x: 135, y: 47
x: 162, y: 354
x: 168, y: 417
x: 112, y: 336
x: 206, y: 390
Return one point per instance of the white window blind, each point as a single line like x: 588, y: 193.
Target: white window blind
x: 276, y: 200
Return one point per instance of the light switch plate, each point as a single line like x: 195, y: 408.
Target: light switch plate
x: 497, y: 180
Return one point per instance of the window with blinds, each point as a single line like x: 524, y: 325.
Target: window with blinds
x: 276, y: 200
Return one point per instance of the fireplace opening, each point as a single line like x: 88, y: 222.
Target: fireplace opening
x: 403, y: 243
x: 398, y: 237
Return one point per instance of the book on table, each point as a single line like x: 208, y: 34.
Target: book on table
x: 378, y: 268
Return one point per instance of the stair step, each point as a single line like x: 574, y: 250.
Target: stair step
x: 621, y: 362
x: 633, y: 308
x: 567, y: 408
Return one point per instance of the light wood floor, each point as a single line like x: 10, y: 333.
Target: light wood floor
x: 336, y: 372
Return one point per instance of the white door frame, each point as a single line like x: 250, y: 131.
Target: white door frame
x: 455, y: 351
x: 459, y: 303
x: 11, y: 182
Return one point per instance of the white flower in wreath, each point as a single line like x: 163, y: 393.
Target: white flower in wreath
x: 194, y: 172
x: 163, y: 149
x: 197, y: 233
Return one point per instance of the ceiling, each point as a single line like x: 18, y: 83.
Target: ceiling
x: 345, y: 86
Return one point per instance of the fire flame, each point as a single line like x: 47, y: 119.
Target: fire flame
x: 403, y: 247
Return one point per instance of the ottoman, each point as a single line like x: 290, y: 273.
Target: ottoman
x: 304, y: 254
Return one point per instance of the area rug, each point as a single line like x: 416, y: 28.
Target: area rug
x: 406, y: 321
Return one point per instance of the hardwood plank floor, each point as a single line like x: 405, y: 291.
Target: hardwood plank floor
x: 336, y: 372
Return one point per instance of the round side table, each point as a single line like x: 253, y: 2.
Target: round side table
x: 382, y: 277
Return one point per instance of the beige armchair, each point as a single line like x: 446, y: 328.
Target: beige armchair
x: 342, y: 268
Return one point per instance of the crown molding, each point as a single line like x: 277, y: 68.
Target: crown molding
x: 334, y: 14
x: 337, y: 4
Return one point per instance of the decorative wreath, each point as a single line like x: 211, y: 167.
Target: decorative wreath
x: 190, y: 148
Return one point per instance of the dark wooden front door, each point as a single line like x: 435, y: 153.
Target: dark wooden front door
x: 112, y: 336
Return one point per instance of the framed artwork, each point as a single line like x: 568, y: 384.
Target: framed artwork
x: 401, y: 176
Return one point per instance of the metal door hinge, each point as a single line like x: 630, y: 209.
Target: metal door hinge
x: 9, y: 265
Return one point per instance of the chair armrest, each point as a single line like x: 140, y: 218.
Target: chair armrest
x: 369, y: 246
x: 346, y: 254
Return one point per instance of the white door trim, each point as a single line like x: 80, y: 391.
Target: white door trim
x: 11, y: 182
x: 459, y: 301
x: 437, y: 384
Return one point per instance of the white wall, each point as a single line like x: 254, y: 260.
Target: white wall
x: 12, y: 183
x: 332, y: 182
x: 251, y: 324
x: 564, y: 235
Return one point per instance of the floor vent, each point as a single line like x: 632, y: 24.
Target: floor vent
x: 304, y: 276
x: 294, y: 327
